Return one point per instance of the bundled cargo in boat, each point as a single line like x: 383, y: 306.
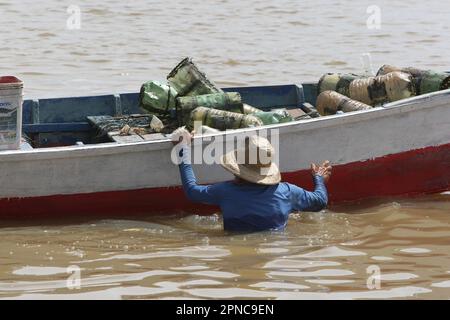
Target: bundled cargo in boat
x: 370, y: 90
x: 188, y: 80
x: 387, y: 88
x: 425, y: 81
x: 228, y: 101
x: 156, y: 96
x: 337, y: 82
x: 188, y: 88
x: 268, y: 117
x: 223, y: 120
x: 330, y: 102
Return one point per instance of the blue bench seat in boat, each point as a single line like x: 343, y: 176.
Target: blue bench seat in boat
x: 63, y: 121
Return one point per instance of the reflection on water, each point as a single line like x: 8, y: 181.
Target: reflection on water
x: 319, y: 256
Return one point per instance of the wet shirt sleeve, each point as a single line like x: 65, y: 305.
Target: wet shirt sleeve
x: 208, y: 194
x: 303, y: 200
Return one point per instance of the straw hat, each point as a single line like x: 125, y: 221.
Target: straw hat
x: 253, y: 162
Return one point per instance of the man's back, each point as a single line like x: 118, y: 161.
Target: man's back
x: 257, y: 199
x: 251, y: 207
x: 248, y: 206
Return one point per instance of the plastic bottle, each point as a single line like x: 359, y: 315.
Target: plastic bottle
x: 273, y: 117
x: 366, y: 59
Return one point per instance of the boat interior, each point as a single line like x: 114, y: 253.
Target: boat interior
x: 64, y: 121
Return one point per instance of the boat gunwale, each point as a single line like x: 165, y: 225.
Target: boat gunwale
x: 406, y: 105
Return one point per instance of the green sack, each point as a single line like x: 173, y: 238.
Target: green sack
x: 223, y: 120
x: 273, y: 117
x: 434, y: 81
x: 157, y: 97
x: 229, y: 101
x: 188, y: 80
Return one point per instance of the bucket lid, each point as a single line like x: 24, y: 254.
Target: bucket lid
x: 10, y: 79
x: 10, y: 82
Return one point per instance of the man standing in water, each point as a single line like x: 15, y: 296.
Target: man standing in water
x: 255, y: 200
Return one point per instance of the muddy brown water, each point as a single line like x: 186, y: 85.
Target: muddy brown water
x: 335, y: 254
x: 340, y: 253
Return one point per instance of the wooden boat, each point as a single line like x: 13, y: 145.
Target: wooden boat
x: 401, y: 149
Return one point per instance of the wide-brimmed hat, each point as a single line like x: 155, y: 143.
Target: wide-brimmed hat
x: 253, y: 162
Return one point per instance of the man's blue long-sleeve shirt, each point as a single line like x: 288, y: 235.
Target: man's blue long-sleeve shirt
x: 252, y: 207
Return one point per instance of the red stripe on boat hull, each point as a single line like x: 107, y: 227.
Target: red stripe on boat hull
x: 409, y: 173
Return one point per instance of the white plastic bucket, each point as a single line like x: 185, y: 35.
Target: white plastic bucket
x: 11, y: 96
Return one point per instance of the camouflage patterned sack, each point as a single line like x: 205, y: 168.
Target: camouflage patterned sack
x: 188, y: 80
x: 425, y: 81
x: 157, y: 97
x: 330, y: 102
x: 336, y: 82
x: 230, y: 101
x: 391, y: 87
x: 223, y: 120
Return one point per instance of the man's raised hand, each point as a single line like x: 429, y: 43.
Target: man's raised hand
x: 324, y: 170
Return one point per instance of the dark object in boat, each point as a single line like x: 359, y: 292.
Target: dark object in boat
x: 109, y: 123
x: 310, y: 110
x: 425, y: 81
x: 297, y: 114
x: 330, y: 102
x: 123, y: 126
